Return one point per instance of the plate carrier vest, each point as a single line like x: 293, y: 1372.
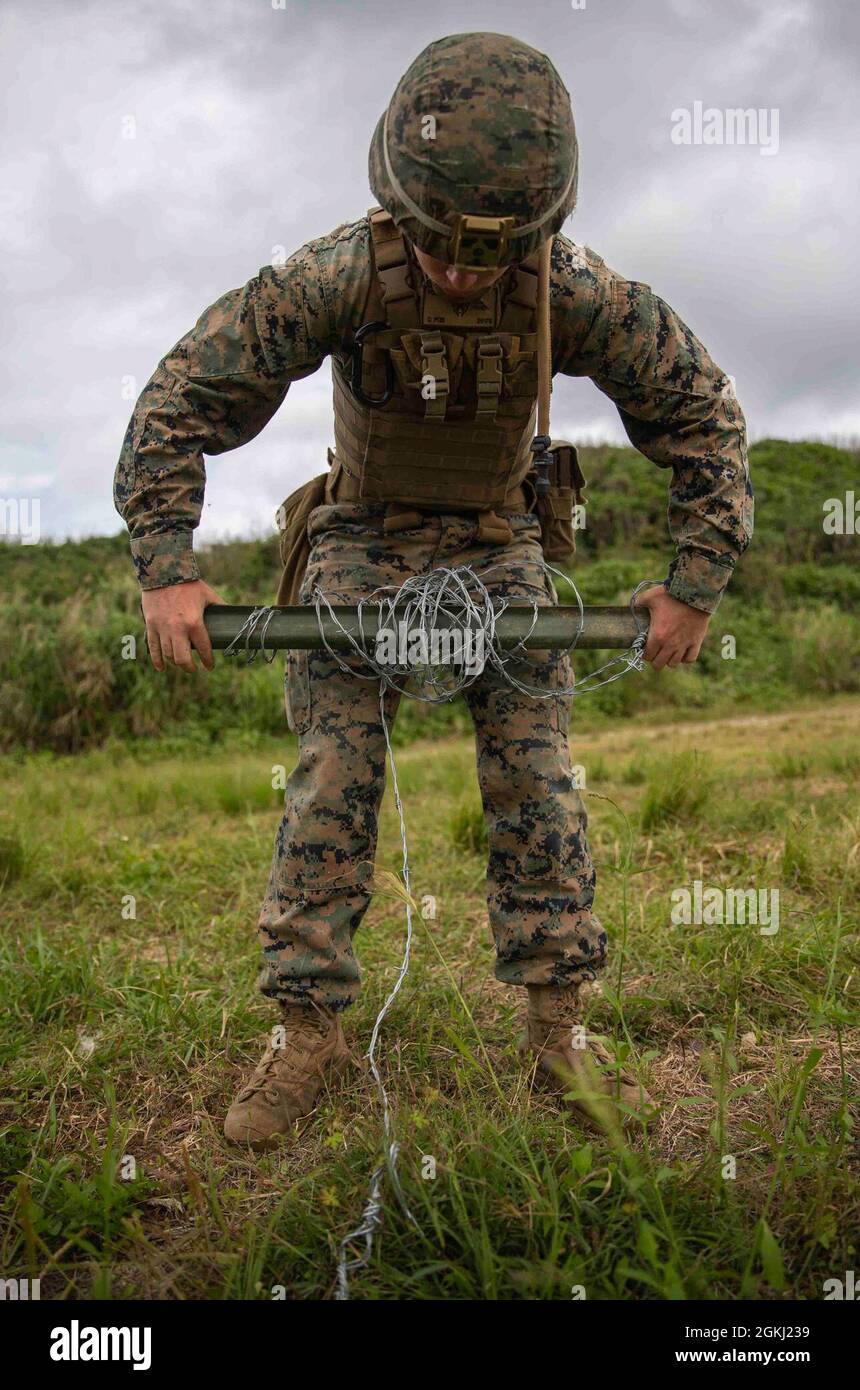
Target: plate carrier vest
x: 458, y: 382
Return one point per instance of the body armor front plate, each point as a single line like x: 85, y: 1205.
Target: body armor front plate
x: 457, y: 428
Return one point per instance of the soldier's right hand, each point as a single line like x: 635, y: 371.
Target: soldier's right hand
x: 174, y: 624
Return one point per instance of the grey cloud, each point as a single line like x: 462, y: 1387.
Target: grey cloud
x: 252, y: 125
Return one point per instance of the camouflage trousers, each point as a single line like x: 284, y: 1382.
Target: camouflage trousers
x: 540, y: 879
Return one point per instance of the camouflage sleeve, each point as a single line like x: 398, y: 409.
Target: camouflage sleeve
x: 219, y: 386
x: 677, y: 407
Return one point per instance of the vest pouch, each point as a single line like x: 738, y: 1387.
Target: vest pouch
x: 407, y: 360
x: 554, y: 509
x: 295, y: 548
x: 521, y: 375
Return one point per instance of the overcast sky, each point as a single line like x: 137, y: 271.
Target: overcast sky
x: 251, y: 125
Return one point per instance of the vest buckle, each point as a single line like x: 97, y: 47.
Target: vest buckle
x: 488, y: 378
x: 434, y: 372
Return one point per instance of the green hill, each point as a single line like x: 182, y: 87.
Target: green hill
x: 792, y: 609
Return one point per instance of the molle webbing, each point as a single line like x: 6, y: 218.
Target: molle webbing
x: 465, y: 440
x: 392, y: 272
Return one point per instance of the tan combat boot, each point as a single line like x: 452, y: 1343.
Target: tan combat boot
x: 286, y: 1084
x: 569, y: 1059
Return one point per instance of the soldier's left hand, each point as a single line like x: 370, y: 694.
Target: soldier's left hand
x: 676, y: 631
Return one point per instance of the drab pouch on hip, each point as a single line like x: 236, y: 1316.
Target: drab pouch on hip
x: 554, y: 509
x: 295, y: 547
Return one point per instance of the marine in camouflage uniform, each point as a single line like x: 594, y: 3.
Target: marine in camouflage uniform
x: 415, y: 485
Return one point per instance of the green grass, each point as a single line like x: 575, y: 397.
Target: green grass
x: 678, y: 792
x: 126, y: 1035
x: 469, y: 827
x: 135, y: 832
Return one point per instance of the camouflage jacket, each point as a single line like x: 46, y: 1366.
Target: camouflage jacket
x: 220, y: 385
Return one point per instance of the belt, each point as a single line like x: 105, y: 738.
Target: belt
x: 493, y: 529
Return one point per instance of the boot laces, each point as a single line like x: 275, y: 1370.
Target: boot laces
x: 299, y: 1023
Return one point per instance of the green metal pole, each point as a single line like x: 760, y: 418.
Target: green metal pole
x: 603, y: 627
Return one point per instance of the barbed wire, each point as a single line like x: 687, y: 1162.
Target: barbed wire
x: 255, y: 625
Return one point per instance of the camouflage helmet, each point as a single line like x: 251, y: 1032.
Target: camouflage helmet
x: 476, y: 156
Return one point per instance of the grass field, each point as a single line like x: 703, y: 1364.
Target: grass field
x: 126, y: 1036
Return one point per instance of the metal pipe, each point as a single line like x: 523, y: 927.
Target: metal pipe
x: 603, y: 627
